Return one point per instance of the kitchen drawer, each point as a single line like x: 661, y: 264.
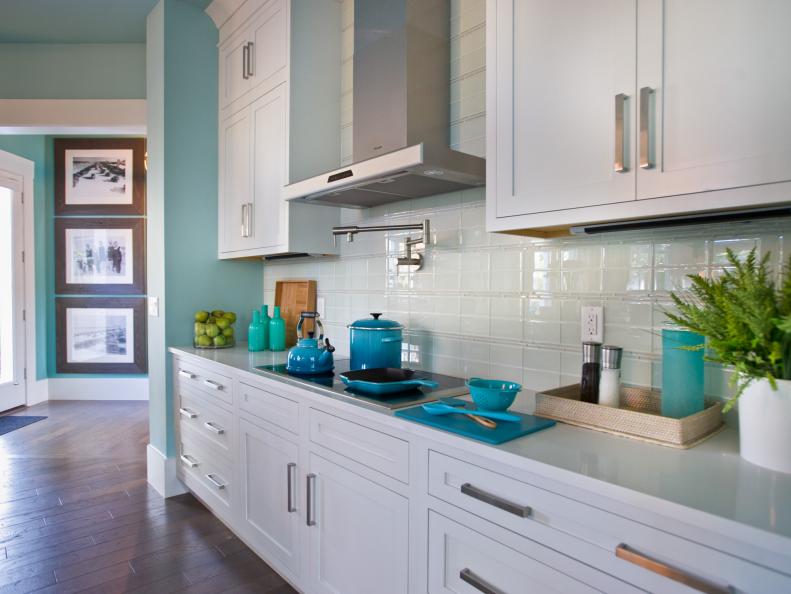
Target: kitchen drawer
x: 374, y: 449
x: 278, y: 410
x: 209, y: 476
x: 219, y: 386
x: 621, y: 547
x: 464, y: 561
x: 212, y: 422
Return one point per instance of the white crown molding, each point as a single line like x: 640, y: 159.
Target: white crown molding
x: 222, y: 10
x: 73, y: 116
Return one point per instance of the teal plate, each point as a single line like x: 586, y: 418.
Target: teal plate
x: 464, y: 425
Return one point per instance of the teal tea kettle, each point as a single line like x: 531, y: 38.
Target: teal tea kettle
x: 311, y: 356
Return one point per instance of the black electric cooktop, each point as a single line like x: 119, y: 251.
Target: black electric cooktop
x: 448, y: 386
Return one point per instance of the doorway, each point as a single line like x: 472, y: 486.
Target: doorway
x: 12, y: 293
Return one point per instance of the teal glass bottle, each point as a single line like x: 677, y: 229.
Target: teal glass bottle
x: 265, y: 323
x: 682, y: 373
x: 255, y: 334
x: 277, y: 331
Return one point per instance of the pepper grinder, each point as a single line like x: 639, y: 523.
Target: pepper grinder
x: 610, y: 383
x: 591, y: 370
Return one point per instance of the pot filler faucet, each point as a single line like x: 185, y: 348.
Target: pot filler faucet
x: 414, y: 261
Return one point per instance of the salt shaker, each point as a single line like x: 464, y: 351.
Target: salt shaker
x: 610, y: 382
x: 591, y: 370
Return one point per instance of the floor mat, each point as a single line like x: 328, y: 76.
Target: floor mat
x: 12, y: 423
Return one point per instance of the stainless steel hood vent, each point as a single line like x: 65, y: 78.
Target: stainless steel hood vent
x: 401, y: 111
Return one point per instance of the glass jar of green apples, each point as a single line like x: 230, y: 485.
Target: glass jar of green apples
x: 214, y: 329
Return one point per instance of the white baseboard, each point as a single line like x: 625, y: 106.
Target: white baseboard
x: 162, y: 473
x: 37, y: 391
x: 98, y: 388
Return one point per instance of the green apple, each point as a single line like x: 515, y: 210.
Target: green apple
x: 227, y: 332
x: 220, y: 341
x: 200, y: 329
x: 222, y: 323
x: 211, y: 320
x: 212, y: 330
x: 201, y: 316
x: 230, y: 316
x: 218, y: 313
x: 203, y: 341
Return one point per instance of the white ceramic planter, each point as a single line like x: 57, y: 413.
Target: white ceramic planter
x: 765, y: 425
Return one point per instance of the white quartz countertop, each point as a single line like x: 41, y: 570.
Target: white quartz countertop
x: 710, y: 477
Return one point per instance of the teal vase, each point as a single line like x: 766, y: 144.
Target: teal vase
x: 277, y: 331
x: 682, y: 373
x: 265, y: 323
x: 255, y: 334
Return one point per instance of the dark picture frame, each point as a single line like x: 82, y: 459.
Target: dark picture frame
x: 105, y: 256
x: 79, y: 348
x: 100, y: 184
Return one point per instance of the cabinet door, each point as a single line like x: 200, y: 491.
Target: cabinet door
x: 235, y: 183
x: 268, y: 37
x: 359, y: 543
x: 718, y: 115
x: 269, y: 494
x: 234, y: 74
x: 270, y: 147
x: 561, y: 139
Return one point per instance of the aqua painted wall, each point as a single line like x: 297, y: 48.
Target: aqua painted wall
x: 72, y: 71
x: 182, y: 199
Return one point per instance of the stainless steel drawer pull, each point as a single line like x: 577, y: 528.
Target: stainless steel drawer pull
x: 310, y: 488
x: 187, y: 374
x: 291, y: 470
x: 212, y: 478
x: 628, y: 554
x: 478, y: 582
x: 619, y: 162
x: 523, y: 511
x: 189, y: 460
x: 645, y: 128
x: 185, y: 412
x: 213, y: 385
x: 214, y: 428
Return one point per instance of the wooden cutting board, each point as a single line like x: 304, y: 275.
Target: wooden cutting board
x: 294, y: 297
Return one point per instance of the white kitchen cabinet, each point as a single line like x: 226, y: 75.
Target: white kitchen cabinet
x: 358, y: 533
x: 634, y: 109
x: 269, y: 494
x: 235, y: 183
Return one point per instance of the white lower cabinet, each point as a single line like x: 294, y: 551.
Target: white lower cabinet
x: 269, y: 518
x: 359, y: 535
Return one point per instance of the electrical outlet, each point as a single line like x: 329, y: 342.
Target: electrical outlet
x: 320, y: 306
x: 592, y: 323
x: 153, y: 307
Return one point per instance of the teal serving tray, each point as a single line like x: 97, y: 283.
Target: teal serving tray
x: 464, y: 425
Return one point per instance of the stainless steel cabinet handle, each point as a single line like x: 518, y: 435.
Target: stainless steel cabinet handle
x: 250, y: 56
x: 522, y: 511
x: 212, y: 385
x: 187, y: 374
x: 645, y: 128
x: 619, y: 162
x: 213, y: 427
x: 185, y: 412
x: 244, y: 220
x: 245, y: 59
x: 310, y: 487
x: 291, y: 469
x: 212, y: 478
x: 478, y: 583
x: 626, y: 553
x: 189, y: 460
x: 249, y: 219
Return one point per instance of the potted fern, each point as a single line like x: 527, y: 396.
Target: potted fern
x: 746, y: 318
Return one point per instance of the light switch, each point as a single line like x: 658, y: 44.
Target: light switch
x: 153, y: 307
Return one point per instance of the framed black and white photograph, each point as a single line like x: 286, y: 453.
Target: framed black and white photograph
x: 100, y: 256
x: 101, y: 335
x: 100, y: 176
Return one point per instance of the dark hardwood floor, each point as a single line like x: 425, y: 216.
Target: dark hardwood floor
x: 77, y: 515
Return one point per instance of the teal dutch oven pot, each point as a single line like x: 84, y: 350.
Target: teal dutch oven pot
x: 375, y: 343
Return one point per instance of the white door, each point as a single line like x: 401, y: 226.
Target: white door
x: 235, y: 202
x: 12, y: 295
x: 270, y: 498
x: 359, y: 537
x: 718, y: 91
x: 565, y: 103
x: 270, y: 147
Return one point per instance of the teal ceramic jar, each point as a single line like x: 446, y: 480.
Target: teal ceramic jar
x: 682, y: 373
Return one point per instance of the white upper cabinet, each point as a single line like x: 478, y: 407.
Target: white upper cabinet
x: 235, y: 182
x: 719, y: 112
x: 629, y: 109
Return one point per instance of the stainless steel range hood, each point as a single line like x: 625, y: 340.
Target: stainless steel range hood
x: 401, y: 111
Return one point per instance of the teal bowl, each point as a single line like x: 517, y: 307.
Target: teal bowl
x: 493, y: 395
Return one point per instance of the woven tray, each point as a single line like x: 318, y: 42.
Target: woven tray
x: 638, y: 418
